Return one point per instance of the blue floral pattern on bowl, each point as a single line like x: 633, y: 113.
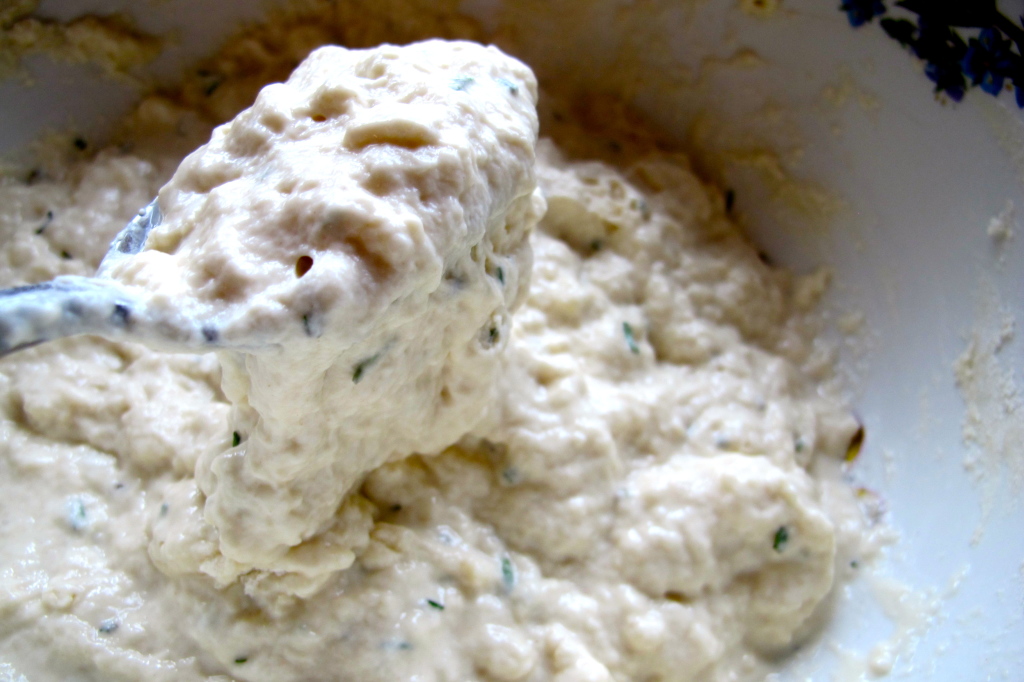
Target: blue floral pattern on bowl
x: 991, y: 59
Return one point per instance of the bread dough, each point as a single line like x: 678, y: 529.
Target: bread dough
x: 628, y: 482
x: 364, y: 226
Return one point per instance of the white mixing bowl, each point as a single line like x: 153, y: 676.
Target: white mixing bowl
x: 840, y: 155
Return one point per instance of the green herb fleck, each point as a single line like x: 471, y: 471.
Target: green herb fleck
x: 437, y: 605
x: 65, y: 255
x: 362, y: 366
x: 627, y: 330
x: 461, y: 83
x: 645, y: 210
x: 236, y: 438
x: 77, y: 516
x: 210, y: 80
x: 510, y: 475
x: 241, y: 659
x: 854, y: 564
x: 108, y: 626
x: 781, y: 538
x: 798, y: 444
x: 46, y: 222
x: 596, y: 245
x: 164, y: 508
x: 492, y: 335
x: 501, y: 275
x: 311, y: 325
x: 512, y: 87
x: 508, y: 574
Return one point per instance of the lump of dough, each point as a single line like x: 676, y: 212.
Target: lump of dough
x: 696, y: 527
x: 365, y: 226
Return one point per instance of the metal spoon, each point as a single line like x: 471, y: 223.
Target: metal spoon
x: 71, y: 305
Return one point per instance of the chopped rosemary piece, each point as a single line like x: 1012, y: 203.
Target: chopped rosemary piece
x: 236, y: 438
x: 627, y: 330
x: 437, y: 605
x: 781, y: 538
x: 77, y: 516
x: 645, y: 210
x: 210, y: 81
x: 512, y: 87
x: 362, y: 366
x: 510, y: 475
x: 241, y: 659
x: 46, y: 222
x: 310, y: 326
x: 508, y: 574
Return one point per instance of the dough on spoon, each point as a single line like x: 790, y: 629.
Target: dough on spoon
x: 367, y: 222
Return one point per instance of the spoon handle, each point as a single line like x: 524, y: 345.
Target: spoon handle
x: 65, y: 306
x: 70, y: 305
